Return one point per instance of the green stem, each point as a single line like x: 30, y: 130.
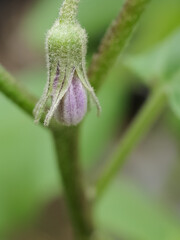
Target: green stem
x: 114, y: 40
x: 140, y: 126
x: 14, y: 91
x: 20, y: 95
x: 68, y: 11
x: 66, y: 143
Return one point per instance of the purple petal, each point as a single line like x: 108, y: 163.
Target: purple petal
x: 73, y: 105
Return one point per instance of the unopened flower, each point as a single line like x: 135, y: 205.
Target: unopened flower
x: 67, y: 84
x: 73, y: 105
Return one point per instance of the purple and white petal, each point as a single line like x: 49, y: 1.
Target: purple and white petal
x: 73, y: 106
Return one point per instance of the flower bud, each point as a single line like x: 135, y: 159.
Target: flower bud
x: 67, y: 84
x: 73, y: 105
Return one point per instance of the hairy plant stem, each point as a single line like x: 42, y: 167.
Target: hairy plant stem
x: 139, y: 127
x: 68, y: 11
x: 114, y: 40
x: 14, y: 91
x: 19, y: 95
x: 66, y: 143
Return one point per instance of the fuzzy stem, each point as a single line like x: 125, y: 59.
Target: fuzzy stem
x: 66, y: 143
x: 14, y: 91
x: 114, y: 40
x: 20, y: 95
x: 140, y: 126
x: 68, y: 11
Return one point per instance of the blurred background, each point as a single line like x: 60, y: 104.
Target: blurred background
x: 143, y: 203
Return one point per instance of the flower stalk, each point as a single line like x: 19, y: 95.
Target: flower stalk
x: 66, y: 143
x: 68, y: 11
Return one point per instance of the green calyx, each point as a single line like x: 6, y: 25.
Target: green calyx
x: 66, y: 41
x: 66, y: 44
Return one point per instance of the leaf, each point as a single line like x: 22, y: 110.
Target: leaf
x: 174, y: 94
x: 149, y: 32
x: 127, y: 212
x: 159, y: 63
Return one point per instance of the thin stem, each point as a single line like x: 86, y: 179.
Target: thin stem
x: 68, y: 11
x: 14, y: 91
x: 140, y: 126
x: 66, y: 143
x: 114, y: 40
x: 20, y: 95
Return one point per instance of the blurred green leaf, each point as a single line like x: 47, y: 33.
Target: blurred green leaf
x: 127, y: 212
x: 160, y: 63
x: 98, y: 132
x: 159, y: 20
x: 174, y: 94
